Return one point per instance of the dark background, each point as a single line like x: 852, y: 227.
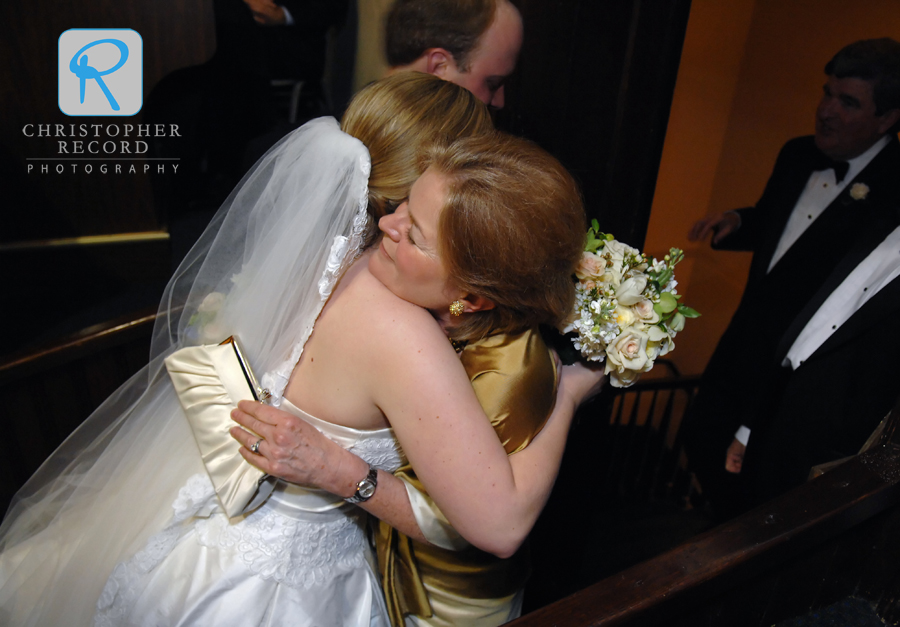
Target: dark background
x: 594, y: 86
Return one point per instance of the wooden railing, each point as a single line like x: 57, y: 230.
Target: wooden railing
x: 837, y: 535
x: 47, y: 392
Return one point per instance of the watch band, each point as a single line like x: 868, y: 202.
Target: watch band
x: 365, y: 488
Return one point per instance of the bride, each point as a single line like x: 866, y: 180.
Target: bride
x: 124, y: 511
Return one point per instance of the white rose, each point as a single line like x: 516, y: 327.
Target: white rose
x: 623, y: 379
x: 591, y: 266
x: 631, y: 290
x: 615, y: 252
x: 628, y: 352
x: 212, y: 302
x: 618, y: 249
x: 643, y: 309
x: 611, y: 278
x: 624, y: 316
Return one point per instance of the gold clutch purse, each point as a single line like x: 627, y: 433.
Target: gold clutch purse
x: 209, y: 382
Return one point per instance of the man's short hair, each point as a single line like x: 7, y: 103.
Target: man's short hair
x: 875, y: 60
x: 414, y: 26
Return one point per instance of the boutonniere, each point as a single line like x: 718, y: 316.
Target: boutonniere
x: 859, y: 191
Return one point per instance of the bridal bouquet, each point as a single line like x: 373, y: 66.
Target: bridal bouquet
x: 626, y: 307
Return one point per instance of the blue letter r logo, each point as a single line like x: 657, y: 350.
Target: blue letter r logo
x: 100, y: 71
x: 81, y: 69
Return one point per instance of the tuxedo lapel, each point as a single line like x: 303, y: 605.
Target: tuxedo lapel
x: 869, y: 239
x: 793, y: 182
x: 879, y: 176
x: 880, y: 209
x: 880, y: 180
x: 881, y: 173
x: 883, y: 306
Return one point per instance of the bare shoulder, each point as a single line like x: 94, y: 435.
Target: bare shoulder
x: 391, y: 322
x: 377, y: 336
x: 407, y: 343
x: 365, y: 344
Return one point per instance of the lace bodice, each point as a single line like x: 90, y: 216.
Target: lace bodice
x: 301, y: 537
x: 378, y: 447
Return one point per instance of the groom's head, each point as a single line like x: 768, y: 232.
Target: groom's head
x: 473, y: 43
x: 861, y: 99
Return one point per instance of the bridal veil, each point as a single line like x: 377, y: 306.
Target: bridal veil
x: 262, y: 270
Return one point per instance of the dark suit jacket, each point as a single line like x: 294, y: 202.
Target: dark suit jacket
x: 762, y: 225
x: 834, y: 400
x: 744, y: 382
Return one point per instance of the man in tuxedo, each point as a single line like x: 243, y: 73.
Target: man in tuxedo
x: 474, y: 43
x: 804, y: 373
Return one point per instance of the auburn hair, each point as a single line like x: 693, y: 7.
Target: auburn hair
x: 511, y: 230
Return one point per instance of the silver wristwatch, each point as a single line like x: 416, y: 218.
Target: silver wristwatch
x: 365, y: 488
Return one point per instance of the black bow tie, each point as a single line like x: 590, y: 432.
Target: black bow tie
x: 824, y: 162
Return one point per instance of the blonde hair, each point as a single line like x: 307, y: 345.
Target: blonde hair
x: 511, y: 230
x: 400, y: 117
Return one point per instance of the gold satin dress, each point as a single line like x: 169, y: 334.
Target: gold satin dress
x: 515, y: 377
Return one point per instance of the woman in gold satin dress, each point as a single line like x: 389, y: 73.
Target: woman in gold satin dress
x: 434, y: 576
x: 115, y: 488
x: 447, y: 581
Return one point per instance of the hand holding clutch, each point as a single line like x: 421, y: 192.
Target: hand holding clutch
x: 209, y: 382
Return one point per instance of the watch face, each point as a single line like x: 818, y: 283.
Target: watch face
x: 366, y: 489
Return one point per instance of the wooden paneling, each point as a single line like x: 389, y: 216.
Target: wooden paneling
x: 594, y: 85
x: 836, y: 536
x: 50, y: 391
x: 61, y: 288
x: 175, y: 34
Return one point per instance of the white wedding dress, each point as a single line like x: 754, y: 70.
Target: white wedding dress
x: 303, y: 558
x: 120, y: 526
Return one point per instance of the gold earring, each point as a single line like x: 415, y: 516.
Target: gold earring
x: 457, y: 307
